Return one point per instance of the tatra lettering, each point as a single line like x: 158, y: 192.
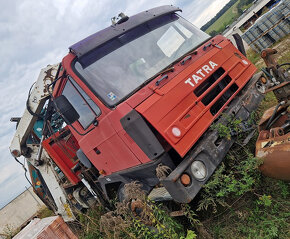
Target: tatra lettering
x: 206, y: 68
x: 212, y: 64
x: 196, y: 78
x: 188, y: 81
x: 200, y: 74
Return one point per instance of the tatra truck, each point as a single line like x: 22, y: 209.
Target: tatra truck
x: 134, y: 102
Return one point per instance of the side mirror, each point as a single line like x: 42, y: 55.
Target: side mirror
x: 65, y: 108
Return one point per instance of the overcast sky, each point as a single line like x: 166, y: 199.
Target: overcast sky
x: 36, y: 33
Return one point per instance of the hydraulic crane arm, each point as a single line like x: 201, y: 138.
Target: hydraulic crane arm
x: 36, y: 100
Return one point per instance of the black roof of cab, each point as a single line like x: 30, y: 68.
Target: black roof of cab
x: 91, y: 42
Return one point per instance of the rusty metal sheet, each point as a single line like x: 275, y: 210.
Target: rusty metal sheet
x: 274, y: 148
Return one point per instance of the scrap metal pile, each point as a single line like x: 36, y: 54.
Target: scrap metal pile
x: 273, y: 144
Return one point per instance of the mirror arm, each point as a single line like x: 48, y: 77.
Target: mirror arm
x: 96, y: 122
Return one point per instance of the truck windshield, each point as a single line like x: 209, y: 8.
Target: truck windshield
x: 119, y: 67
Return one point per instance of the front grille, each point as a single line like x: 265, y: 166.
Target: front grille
x: 208, y: 82
x: 210, y: 97
x: 223, y: 99
x: 216, y: 90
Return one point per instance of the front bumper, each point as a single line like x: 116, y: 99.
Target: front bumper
x: 211, y: 149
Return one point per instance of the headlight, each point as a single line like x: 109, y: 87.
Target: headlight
x: 176, y: 132
x: 198, y: 170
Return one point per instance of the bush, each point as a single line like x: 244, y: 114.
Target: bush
x: 136, y: 217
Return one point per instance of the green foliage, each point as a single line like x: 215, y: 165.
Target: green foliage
x: 242, y: 5
x: 223, y: 130
x: 213, y: 33
x: 226, y: 19
x: 284, y: 188
x: 233, y: 181
x: 151, y: 222
x: 190, y: 215
x: 265, y: 200
x: 226, y: 16
x: 267, y: 219
x: 245, y: 204
x: 44, y: 212
x: 190, y: 235
x: 89, y: 223
x: 253, y: 56
x: 229, y: 127
x: 161, y: 224
x: 219, y: 14
x: 269, y: 101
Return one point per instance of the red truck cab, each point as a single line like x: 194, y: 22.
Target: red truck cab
x: 146, y: 90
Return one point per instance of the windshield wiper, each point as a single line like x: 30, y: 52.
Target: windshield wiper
x: 171, y: 69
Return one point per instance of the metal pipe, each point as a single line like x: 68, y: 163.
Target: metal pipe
x: 273, y: 115
x: 276, y: 118
x: 39, y: 153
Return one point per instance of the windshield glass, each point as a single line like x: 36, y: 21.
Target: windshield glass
x: 114, y: 70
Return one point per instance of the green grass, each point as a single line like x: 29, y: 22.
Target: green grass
x: 261, y: 208
x: 247, y: 6
x: 44, y: 212
x: 153, y: 222
x: 263, y: 213
x: 226, y: 19
x: 253, y: 56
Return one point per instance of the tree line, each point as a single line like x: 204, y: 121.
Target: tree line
x: 218, y: 15
x: 240, y: 8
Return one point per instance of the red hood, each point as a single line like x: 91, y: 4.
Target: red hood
x: 186, y: 100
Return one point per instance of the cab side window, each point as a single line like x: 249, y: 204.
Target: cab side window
x: 82, y: 103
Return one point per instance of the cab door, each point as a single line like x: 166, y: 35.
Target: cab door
x: 95, y: 134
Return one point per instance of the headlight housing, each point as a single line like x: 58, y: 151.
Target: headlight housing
x: 199, y: 170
